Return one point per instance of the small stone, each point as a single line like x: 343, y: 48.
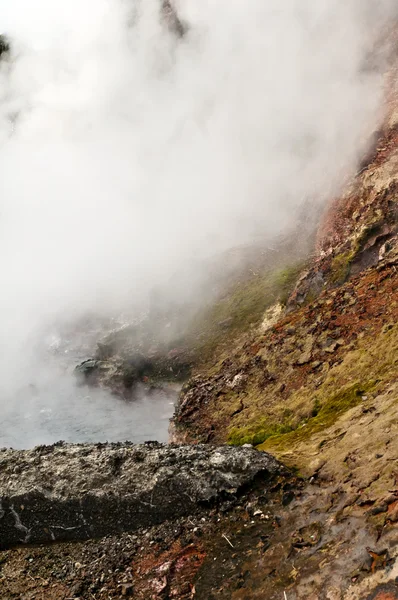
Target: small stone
x: 127, y: 589
x: 304, y: 358
x: 331, y: 348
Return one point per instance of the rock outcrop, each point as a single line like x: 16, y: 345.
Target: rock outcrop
x: 75, y: 492
x: 4, y: 45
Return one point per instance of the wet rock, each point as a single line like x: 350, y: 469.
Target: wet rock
x: 75, y: 492
x: 4, y: 45
x: 87, y: 367
x: 309, y: 286
x: 122, y: 374
x: 174, y: 22
x: 307, y: 536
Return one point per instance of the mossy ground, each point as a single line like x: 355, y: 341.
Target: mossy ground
x: 239, y: 309
x: 288, y: 422
x: 328, y: 414
x: 340, y: 268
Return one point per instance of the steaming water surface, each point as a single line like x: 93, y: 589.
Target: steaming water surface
x: 85, y: 416
x: 53, y: 407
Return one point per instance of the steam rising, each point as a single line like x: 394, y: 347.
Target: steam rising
x: 129, y: 152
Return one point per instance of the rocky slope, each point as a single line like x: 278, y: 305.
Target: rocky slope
x: 316, y: 386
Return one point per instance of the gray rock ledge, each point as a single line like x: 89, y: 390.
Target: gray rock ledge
x: 77, y: 492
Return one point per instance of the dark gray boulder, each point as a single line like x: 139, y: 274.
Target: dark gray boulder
x: 75, y: 492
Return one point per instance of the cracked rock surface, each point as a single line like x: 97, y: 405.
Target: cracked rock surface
x: 75, y: 492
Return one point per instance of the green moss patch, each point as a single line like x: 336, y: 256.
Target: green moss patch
x: 258, y: 434
x: 340, y: 268
x: 288, y: 433
x: 329, y: 413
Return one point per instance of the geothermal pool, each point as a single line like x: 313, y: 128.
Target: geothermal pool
x: 84, y: 415
x: 48, y: 405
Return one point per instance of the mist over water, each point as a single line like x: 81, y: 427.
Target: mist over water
x: 129, y: 153
x: 53, y: 406
x: 83, y: 415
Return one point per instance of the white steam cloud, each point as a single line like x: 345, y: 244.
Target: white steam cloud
x: 127, y: 152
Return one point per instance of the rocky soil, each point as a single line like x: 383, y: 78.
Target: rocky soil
x: 192, y: 556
